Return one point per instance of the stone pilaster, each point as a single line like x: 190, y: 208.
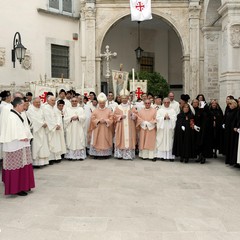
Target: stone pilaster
x: 194, y: 44
x: 88, y: 26
x: 210, y: 85
x: 230, y: 54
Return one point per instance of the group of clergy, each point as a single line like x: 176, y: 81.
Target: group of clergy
x: 71, y: 127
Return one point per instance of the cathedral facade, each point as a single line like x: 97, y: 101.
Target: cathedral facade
x: 194, y: 44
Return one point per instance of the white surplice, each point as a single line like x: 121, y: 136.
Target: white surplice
x: 56, y: 139
x: 40, y: 148
x: 75, y: 132
x: 165, y: 133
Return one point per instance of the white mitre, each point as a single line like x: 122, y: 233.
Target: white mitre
x: 124, y: 92
x: 102, y: 97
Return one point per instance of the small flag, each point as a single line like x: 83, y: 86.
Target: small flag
x: 140, y: 10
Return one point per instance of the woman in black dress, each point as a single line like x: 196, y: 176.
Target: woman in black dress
x: 183, y: 145
x: 217, y: 120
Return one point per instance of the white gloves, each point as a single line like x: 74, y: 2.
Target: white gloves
x: 183, y: 128
x: 196, y: 128
x: 223, y: 126
x: 146, y: 124
x: 238, y: 130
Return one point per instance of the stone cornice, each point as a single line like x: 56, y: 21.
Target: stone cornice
x: 211, y: 29
x: 228, y: 6
x: 41, y: 10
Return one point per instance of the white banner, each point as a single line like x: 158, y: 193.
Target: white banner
x: 140, y: 87
x: 86, y: 91
x: 140, y: 10
x: 41, y: 91
x: 120, y: 81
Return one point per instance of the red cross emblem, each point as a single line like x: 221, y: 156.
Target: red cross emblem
x: 139, y: 92
x: 86, y: 95
x: 43, y: 97
x: 140, y: 6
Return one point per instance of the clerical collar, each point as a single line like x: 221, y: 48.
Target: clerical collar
x: 125, y: 105
x: 101, y: 108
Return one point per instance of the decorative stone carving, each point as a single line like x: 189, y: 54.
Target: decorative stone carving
x: 27, y: 61
x: 211, y: 36
x: 2, y: 56
x: 235, y: 35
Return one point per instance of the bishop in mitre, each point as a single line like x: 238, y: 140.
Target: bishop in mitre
x: 40, y: 148
x: 166, y: 121
x: 101, y: 130
x: 125, y: 128
x: 75, y: 123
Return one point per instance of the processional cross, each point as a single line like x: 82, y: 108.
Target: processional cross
x: 107, y: 55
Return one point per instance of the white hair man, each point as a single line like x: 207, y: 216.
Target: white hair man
x: 40, y: 148
x: 166, y: 120
x: 55, y: 134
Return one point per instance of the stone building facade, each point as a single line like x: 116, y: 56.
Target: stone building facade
x: 208, y: 32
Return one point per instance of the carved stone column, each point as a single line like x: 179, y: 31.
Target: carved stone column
x: 88, y: 23
x: 210, y: 84
x: 230, y: 46
x: 194, y: 23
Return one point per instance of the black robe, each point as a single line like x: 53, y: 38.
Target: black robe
x: 203, y: 138
x: 230, y: 136
x: 217, y: 118
x: 183, y: 144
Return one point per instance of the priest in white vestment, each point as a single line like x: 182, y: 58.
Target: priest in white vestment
x: 40, y: 148
x: 174, y: 104
x: 5, y: 107
x: 17, y: 172
x: 75, y: 125
x: 166, y: 120
x: 55, y: 133
x: 110, y: 103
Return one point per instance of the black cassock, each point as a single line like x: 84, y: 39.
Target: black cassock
x: 230, y: 136
x: 183, y: 144
x: 217, y: 117
x: 204, y: 138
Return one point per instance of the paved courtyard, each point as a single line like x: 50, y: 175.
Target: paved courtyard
x: 126, y: 200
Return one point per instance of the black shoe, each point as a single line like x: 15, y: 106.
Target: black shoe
x: 95, y: 157
x: 171, y: 160
x: 154, y: 160
x: 51, y: 162
x: 22, y: 193
x: 186, y: 160
x: 214, y: 155
x: 37, y: 167
x: 237, y: 165
x: 58, y: 161
x: 181, y: 159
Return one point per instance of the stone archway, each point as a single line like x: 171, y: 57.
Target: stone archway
x: 159, y: 39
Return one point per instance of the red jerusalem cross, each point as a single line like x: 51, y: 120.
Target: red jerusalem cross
x: 43, y: 97
x: 86, y: 95
x: 139, y: 92
x: 140, y: 6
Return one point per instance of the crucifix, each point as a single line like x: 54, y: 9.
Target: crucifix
x: 107, y: 55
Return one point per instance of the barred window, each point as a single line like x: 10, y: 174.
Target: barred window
x: 147, y: 62
x: 61, y: 5
x: 60, y: 61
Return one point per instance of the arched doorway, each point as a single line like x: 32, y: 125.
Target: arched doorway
x: 162, y: 48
